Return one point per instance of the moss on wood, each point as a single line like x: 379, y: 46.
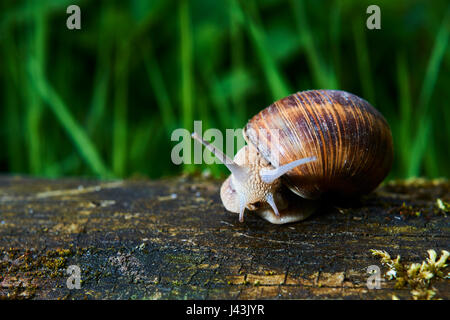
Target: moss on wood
x: 172, y: 239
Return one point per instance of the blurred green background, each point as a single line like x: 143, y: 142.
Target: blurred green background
x: 102, y: 101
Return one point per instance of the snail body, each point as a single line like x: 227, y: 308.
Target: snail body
x: 314, y: 143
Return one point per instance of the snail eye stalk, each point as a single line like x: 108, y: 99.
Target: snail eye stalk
x: 270, y: 175
x: 238, y: 171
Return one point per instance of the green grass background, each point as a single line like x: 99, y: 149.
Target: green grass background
x: 102, y: 101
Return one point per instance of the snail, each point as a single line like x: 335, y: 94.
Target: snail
x: 327, y: 143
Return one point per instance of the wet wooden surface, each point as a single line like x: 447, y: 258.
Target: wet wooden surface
x: 172, y: 239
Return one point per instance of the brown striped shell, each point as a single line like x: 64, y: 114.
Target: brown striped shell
x: 350, y: 139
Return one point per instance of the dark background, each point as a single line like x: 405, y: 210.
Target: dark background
x: 102, y: 101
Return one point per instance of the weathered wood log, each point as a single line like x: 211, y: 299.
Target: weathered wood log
x: 172, y: 239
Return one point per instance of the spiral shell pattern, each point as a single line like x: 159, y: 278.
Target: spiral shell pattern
x: 350, y: 139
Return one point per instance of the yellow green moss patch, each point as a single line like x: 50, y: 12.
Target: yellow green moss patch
x: 415, y: 276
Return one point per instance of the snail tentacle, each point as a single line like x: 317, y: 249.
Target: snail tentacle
x: 270, y: 175
x: 242, y: 204
x: 271, y: 201
x: 239, y: 172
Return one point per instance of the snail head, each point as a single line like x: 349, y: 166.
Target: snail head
x: 253, y: 180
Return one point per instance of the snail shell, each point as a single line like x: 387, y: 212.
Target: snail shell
x: 350, y: 139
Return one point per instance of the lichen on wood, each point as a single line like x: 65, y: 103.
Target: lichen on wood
x: 172, y: 239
